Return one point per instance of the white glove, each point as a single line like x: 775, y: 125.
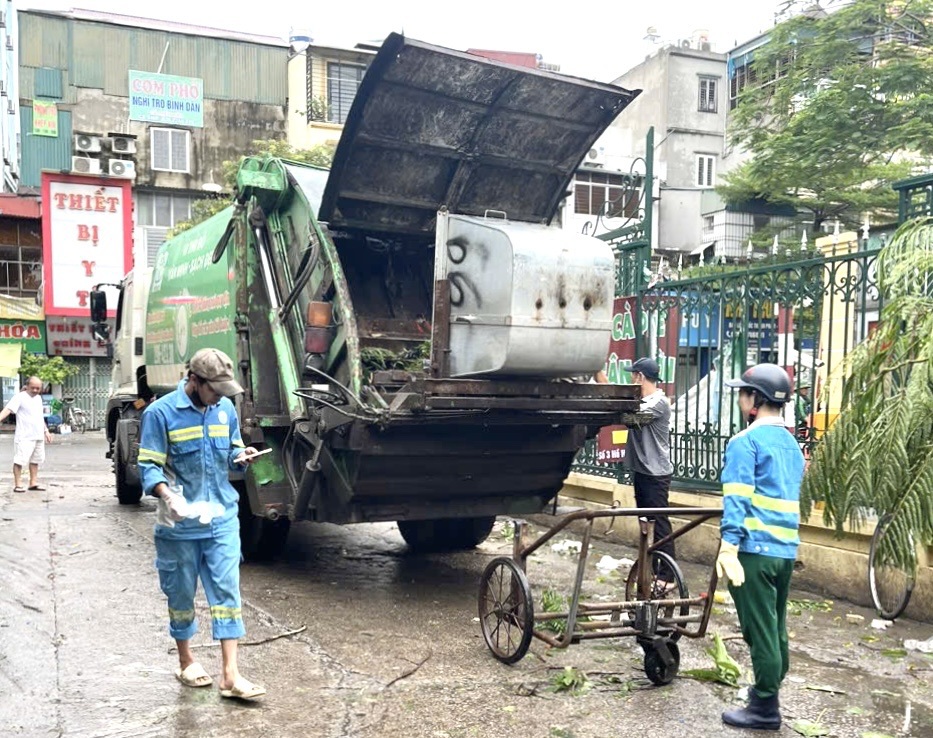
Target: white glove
x: 172, y: 508
x: 728, y: 564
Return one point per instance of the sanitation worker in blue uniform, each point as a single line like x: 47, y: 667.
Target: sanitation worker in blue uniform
x: 760, y: 522
x: 190, y: 442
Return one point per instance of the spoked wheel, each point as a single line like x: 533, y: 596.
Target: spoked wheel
x: 891, y: 584
x: 506, y: 610
x: 656, y: 669
x: 665, y: 570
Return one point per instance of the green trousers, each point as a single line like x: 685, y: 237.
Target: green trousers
x: 761, y: 603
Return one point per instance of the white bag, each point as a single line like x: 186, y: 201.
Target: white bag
x: 64, y: 429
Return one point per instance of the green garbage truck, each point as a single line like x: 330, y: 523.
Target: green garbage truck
x: 413, y: 332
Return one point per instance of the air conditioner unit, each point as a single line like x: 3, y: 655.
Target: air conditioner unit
x: 87, y: 144
x: 123, y: 144
x: 685, y: 43
x: 596, y: 156
x: 2, y: 20
x: 85, y: 165
x: 122, y: 168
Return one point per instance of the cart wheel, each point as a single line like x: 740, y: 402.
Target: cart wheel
x: 657, y: 671
x: 666, y: 569
x: 506, y: 610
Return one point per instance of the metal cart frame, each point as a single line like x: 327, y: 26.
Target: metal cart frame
x: 655, y: 619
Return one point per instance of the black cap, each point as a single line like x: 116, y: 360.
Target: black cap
x: 647, y: 367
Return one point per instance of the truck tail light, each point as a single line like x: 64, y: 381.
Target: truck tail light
x: 320, y: 314
x: 318, y: 339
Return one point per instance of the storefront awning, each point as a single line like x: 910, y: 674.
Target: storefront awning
x: 10, y: 359
x: 702, y: 247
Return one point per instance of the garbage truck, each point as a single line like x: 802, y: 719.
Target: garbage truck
x: 413, y: 332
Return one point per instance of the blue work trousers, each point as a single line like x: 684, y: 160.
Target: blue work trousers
x: 216, y: 561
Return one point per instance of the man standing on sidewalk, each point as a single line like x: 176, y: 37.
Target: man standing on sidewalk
x: 31, y: 434
x: 648, y: 454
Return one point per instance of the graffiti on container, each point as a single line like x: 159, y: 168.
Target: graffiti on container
x: 461, y: 283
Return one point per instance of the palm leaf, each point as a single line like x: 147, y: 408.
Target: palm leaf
x: 878, y: 455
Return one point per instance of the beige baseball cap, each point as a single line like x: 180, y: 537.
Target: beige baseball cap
x: 217, y: 368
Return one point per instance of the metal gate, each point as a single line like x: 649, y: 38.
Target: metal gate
x: 90, y: 387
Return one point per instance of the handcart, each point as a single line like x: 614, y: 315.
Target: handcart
x: 656, y: 614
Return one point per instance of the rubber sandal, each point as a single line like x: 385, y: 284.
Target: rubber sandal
x: 243, y: 689
x: 37, y: 488
x: 194, y: 676
x: 19, y: 489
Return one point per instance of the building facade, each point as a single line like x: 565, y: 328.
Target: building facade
x: 322, y: 83
x: 683, y: 97
x: 146, y: 112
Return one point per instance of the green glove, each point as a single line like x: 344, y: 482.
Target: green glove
x: 728, y: 564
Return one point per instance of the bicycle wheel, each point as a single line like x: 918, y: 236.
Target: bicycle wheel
x: 890, y: 585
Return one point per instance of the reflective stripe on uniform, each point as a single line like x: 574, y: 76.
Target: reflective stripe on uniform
x: 185, y: 434
x: 181, y: 616
x: 222, y: 612
x: 737, y: 488
x: 218, y: 431
x: 763, y: 502
x: 147, y: 454
x: 777, y: 531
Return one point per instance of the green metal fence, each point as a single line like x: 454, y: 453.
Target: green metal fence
x: 804, y: 311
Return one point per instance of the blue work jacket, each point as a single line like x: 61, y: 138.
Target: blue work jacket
x: 761, y: 490
x: 181, y: 444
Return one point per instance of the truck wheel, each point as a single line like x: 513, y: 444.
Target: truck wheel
x: 445, y: 534
x: 129, y: 491
x: 261, y: 539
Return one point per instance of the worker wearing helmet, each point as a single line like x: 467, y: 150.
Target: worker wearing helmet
x: 648, y: 456
x: 760, y: 522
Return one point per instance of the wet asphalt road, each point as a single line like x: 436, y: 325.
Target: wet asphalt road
x: 389, y: 643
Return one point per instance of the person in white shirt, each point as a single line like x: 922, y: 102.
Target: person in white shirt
x: 31, y: 434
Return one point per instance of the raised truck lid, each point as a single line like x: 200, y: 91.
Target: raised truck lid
x: 431, y: 127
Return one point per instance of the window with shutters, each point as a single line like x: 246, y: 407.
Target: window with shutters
x: 706, y: 170
x: 156, y: 213
x: 593, y: 190
x: 343, y: 80
x: 170, y: 150
x: 707, y: 103
x: 20, y: 257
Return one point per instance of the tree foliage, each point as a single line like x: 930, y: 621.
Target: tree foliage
x: 878, y: 455
x: 839, y: 106
x: 321, y: 156
x: 50, y: 369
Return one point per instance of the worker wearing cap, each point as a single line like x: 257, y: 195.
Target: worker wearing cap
x: 760, y: 522
x: 191, y: 440
x: 648, y: 452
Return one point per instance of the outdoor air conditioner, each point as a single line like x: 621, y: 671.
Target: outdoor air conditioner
x: 596, y: 156
x: 87, y: 144
x: 123, y: 144
x: 121, y: 168
x: 85, y: 165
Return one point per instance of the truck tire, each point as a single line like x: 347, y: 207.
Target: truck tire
x: 261, y: 539
x: 129, y: 489
x: 445, y: 534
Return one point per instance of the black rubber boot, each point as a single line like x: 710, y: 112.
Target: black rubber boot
x: 761, y: 713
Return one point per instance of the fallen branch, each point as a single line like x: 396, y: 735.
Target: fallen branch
x: 411, y: 671
x: 302, y: 629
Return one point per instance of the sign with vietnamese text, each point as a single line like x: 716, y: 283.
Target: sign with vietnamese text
x: 44, y: 118
x: 29, y: 333
x: 165, y: 98
x: 658, y: 322
x: 87, y: 227
x: 73, y: 337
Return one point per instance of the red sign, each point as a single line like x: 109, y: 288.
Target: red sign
x: 87, y: 238
x: 659, y: 325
